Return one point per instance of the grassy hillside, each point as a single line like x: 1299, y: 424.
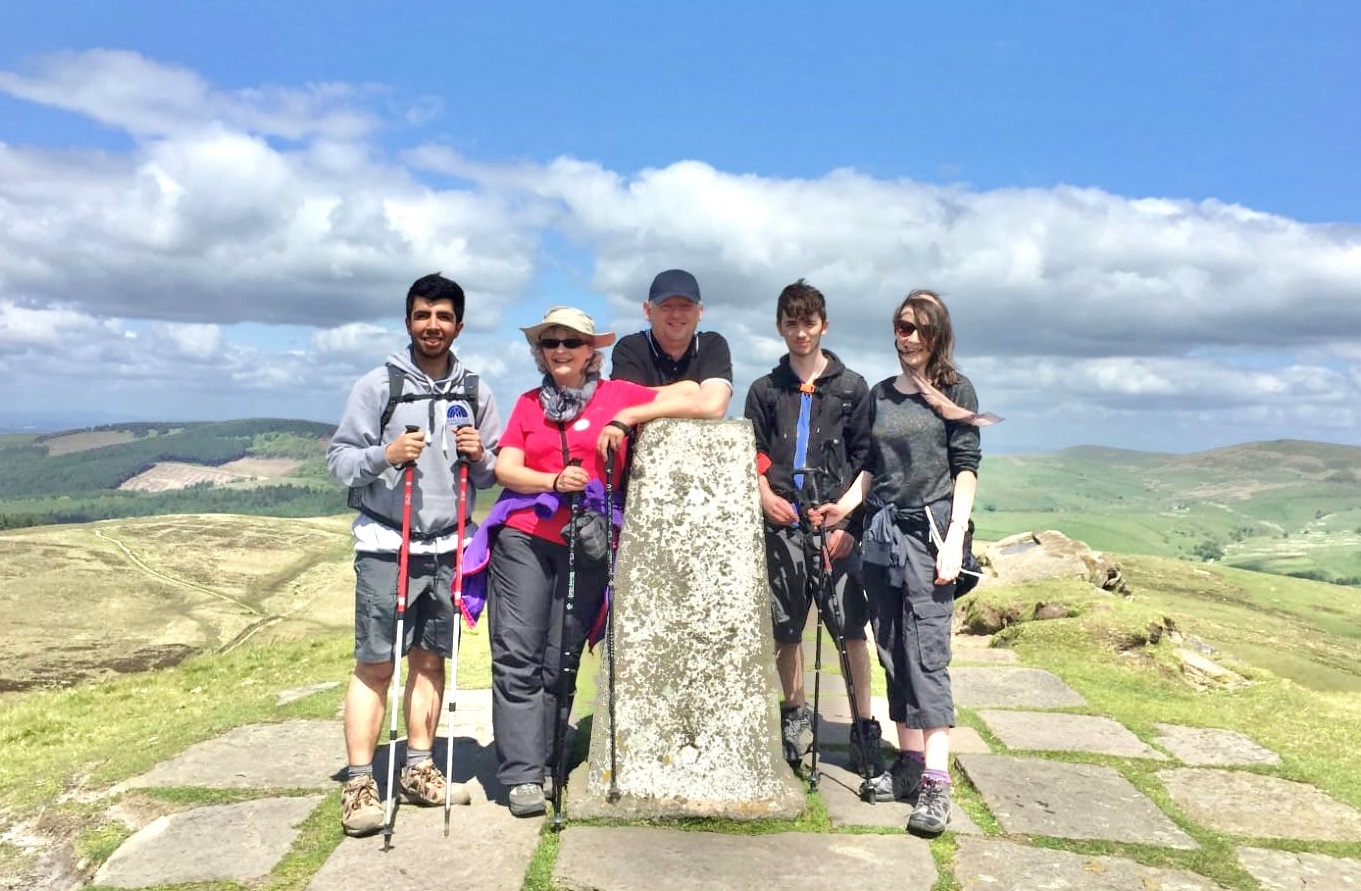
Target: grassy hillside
x: 75, y: 476
x: 1286, y: 507
x: 87, y: 600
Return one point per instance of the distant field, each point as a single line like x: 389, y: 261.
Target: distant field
x: 69, y: 443
x: 128, y: 595
x: 1290, y: 507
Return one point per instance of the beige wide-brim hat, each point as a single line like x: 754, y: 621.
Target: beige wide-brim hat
x: 574, y: 320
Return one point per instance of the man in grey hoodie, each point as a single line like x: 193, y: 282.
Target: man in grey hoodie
x: 453, y: 415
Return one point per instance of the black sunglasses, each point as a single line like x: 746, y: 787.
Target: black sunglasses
x: 907, y: 329
x: 552, y: 343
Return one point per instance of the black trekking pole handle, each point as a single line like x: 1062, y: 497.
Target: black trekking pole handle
x: 461, y: 456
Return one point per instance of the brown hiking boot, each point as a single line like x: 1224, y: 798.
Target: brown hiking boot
x: 361, y: 811
x: 423, y: 784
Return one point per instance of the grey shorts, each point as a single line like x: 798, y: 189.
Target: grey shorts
x: 429, y: 618
x: 790, y: 594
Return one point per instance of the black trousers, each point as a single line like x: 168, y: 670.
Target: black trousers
x: 527, y: 588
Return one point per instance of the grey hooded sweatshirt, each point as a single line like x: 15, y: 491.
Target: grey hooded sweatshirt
x: 356, y: 456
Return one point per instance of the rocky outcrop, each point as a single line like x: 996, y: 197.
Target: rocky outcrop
x: 1032, y: 556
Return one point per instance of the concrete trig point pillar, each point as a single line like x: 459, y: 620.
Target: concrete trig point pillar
x: 697, y: 696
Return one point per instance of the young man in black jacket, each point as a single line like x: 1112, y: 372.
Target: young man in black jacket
x: 812, y: 412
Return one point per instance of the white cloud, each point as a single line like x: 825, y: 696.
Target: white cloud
x: 194, y: 343
x: 278, y: 205
x: 130, y: 92
x: 358, y: 337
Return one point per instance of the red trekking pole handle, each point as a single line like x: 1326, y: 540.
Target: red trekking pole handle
x: 404, y: 556
x: 462, y: 526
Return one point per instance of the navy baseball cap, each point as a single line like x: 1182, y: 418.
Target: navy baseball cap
x: 674, y: 283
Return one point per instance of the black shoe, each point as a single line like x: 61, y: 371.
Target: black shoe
x: 901, y: 782
x: 870, y: 731
x: 796, y: 733
x: 932, y: 813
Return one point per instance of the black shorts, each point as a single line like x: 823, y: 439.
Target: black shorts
x: 788, y: 552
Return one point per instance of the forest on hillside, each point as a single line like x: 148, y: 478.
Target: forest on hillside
x: 40, y: 488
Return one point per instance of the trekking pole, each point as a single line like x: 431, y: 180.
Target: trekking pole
x: 565, y: 666
x: 613, y: 795
x: 829, y: 612
x: 813, y: 775
x: 395, y: 696
x: 457, y: 635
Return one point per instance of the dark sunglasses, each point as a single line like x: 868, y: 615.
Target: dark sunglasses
x: 907, y: 329
x: 552, y: 343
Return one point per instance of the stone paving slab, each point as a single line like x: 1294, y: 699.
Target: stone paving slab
x: 840, y: 791
x: 1290, y: 871
x: 474, y: 766
x: 964, y: 740
x: 1210, y: 747
x: 1061, y: 732
x: 985, y: 864
x: 1242, y: 803
x: 1005, y: 686
x: 631, y: 858
x: 834, y: 715
x: 1069, y: 800
x: 834, y: 726
x: 487, y: 850
x: 189, y: 847
x: 472, y: 718
x: 300, y: 754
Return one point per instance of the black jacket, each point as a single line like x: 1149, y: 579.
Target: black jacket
x: 838, y: 428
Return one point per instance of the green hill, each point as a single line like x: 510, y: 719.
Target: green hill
x: 1288, y: 507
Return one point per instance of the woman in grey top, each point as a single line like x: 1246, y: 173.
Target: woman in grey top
x: 919, y: 488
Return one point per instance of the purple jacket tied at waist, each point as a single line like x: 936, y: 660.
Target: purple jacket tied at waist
x: 477, y: 554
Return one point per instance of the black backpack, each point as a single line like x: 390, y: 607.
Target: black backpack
x: 396, y: 384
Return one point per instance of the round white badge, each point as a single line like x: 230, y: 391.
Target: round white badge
x: 581, y: 424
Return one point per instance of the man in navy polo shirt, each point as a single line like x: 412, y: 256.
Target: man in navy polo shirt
x: 672, y: 349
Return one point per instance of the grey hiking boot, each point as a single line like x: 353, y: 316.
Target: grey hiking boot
x: 423, y: 784
x: 526, y: 800
x: 361, y: 810
x: 901, y: 782
x: 932, y: 813
x: 871, y: 732
x: 796, y: 733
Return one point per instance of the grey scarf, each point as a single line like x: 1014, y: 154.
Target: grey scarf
x: 562, y: 404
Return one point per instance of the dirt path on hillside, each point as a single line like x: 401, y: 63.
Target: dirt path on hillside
x: 122, y: 597
x: 132, y: 558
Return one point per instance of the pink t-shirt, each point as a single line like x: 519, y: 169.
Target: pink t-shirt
x: 528, y: 430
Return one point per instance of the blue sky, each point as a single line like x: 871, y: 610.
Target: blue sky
x: 1146, y: 218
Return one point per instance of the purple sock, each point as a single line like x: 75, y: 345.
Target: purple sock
x: 939, y: 776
